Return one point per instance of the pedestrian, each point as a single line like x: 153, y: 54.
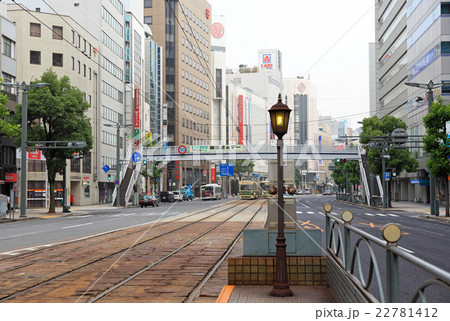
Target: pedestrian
x: 8, y: 200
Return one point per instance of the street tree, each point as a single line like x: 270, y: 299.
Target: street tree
x: 57, y: 113
x: 400, y: 159
x: 346, y: 172
x: 243, y: 166
x: 7, y: 125
x: 437, y: 144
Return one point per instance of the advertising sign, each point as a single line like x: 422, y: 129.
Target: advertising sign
x: 10, y: 177
x: 34, y: 154
x: 241, y: 119
x: 213, y: 174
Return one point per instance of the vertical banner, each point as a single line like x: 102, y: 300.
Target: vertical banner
x: 213, y: 174
x: 136, y: 116
x: 241, y: 119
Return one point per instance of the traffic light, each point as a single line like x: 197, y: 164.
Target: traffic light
x: 394, y: 173
x: 144, y: 162
x: 109, y: 177
x: 338, y: 160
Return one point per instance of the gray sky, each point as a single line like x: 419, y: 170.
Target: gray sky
x: 328, y: 40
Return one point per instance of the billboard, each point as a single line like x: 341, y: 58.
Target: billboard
x: 241, y: 119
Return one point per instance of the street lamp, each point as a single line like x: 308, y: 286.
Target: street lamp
x: 279, y: 117
x: 434, y: 208
x: 23, y: 142
x: 118, y: 167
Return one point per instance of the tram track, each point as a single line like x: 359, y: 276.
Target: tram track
x: 101, y: 262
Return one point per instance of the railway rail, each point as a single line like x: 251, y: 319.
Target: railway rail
x: 169, y: 261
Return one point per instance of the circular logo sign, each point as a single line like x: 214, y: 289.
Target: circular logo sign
x: 182, y: 149
x: 301, y: 87
x: 217, y: 30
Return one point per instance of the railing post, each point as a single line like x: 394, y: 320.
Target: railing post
x: 392, y: 233
x: 327, y: 208
x: 347, y: 217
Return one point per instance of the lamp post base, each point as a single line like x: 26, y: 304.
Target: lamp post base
x: 281, y: 290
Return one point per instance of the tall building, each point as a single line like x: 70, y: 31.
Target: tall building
x: 8, y: 68
x: 182, y: 28
x: 391, y: 57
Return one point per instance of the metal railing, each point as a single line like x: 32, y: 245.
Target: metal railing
x: 348, y: 256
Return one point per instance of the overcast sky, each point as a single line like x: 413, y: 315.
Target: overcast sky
x: 327, y: 39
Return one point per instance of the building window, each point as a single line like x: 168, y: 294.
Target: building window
x: 8, y: 79
x: 148, y: 3
x: 87, y: 163
x: 57, y: 32
x: 35, y: 29
x: 57, y: 60
x: 35, y: 57
x: 8, y: 47
x: 73, y: 63
x: 148, y: 20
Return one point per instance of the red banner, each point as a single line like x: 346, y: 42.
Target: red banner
x: 213, y: 174
x: 241, y: 119
x: 34, y: 154
x: 136, y: 108
x: 10, y: 177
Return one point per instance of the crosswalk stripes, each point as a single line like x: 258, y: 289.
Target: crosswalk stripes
x: 337, y: 214
x: 369, y: 214
x: 394, y: 215
x: 379, y: 214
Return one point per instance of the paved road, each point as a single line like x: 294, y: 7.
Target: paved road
x: 426, y: 239
x: 22, y: 236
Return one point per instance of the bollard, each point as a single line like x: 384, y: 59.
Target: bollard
x: 327, y: 208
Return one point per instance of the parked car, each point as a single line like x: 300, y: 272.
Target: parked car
x: 177, y: 196
x: 148, y: 200
x: 326, y: 192
x: 299, y: 192
x: 167, y: 197
x: 308, y: 191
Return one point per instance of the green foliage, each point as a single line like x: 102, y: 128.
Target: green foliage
x: 341, y: 170
x: 243, y: 166
x: 7, y: 126
x: 57, y: 113
x: 400, y: 159
x: 435, y: 141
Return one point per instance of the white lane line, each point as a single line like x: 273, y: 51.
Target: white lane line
x: 299, y: 212
x: 19, y: 235
x: 304, y: 205
x: 379, y: 214
x: 334, y: 213
x: 394, y: 215
x: 310, y: 212
x: 370, y: 214
x: 72, y: 226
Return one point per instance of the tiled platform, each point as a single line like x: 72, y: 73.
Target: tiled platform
x: 261, y: 294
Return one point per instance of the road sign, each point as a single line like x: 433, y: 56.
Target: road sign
x: 182, y: 149
x: 136, y: 157
x: 226, y: 170
x: 116, y: 182
x: 387, y: 175
x: 106, y: 168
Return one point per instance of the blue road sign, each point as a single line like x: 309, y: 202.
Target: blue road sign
x: 165, y: 147
x: 227, y: 170
x: 136, y: 157
x: 106, y: 168
x: 116, y: 182
x: 387, y: 175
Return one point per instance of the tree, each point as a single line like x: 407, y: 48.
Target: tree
x: 346, y: 172
x: 243, y: 166
x: 437, y: 143
x: 57, y: 113
x: 400, y: 159
x: 7, y: 126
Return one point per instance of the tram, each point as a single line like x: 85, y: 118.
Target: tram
x: 264, y: 185
x: 248, y: 190
x: 211, y: 192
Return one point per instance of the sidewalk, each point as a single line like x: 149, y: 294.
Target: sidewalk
x: 41, y: 212
x: 422, y: 208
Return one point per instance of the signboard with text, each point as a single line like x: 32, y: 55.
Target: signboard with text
x: 241, y: 119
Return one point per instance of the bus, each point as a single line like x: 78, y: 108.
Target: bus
x: 211, y: 192
x: 248, y: 190
x: 264, y: 185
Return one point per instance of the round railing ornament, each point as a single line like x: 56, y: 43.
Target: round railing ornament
x: 291, y: 190
x: 392, y: 232
x: 272, y: 190
x: 327, y: 207
x: 347, y: 216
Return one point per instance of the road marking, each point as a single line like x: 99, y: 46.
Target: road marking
x: 379, y: 214
x: 334, y: 213
x: 394, y: 215
x: 310, y: 212
x: 299, y: 212
x: 19, y: 235
x: 304, y: 205
x: 76, y: 225
x: 370, y: 214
